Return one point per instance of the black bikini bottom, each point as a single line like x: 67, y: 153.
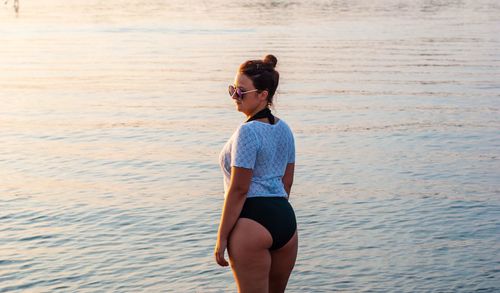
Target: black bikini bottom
x: 275, y: 214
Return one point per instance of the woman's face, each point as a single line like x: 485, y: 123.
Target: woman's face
x: 250, y: 101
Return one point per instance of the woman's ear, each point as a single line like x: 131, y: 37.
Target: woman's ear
x: 263, y: 95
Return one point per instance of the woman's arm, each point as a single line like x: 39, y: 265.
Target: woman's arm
x: 233, y: 203
x: 288, y: 178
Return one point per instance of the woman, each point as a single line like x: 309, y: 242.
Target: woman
x: 258, y: 225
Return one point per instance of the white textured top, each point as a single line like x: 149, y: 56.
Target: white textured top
x: 265, y: 148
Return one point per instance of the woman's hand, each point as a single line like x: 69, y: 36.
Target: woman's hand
x: 220, y: 248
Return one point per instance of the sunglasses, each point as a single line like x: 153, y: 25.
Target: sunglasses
x: 235, y: 91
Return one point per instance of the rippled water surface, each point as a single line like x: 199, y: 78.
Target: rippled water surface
x: 113, y: 113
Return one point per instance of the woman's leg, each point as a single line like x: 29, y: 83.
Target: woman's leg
x: 282, y: 263
x: 249, y: 256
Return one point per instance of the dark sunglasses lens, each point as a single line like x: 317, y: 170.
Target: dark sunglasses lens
x: 231, y: 90
x: 234, y: 92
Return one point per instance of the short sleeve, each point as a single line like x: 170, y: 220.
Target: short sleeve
x: 244, y: 148
x: 291, y: 150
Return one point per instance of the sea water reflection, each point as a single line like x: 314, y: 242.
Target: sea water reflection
x: 113, y: 115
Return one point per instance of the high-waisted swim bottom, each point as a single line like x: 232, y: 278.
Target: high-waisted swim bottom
x: 275, y: 214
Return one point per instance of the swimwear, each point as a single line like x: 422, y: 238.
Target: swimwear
x: 275, y: 214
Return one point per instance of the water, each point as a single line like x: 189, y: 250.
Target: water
x: 113, y: 115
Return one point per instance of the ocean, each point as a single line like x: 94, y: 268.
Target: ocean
x: 113, y: 114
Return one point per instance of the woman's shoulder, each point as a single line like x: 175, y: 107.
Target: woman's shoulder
x: 284, y: 124
x: 258, y: 127
x: 245, y: 129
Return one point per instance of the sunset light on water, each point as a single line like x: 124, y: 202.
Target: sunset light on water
x: 113, y: 114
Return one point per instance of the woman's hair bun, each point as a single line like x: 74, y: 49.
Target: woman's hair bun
x: 271, y: 60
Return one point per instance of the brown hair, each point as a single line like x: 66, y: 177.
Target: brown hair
x: 263, y: 75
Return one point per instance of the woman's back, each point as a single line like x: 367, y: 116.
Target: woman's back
x: 265, y: 148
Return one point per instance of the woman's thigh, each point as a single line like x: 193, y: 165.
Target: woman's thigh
x: 249, y: 256
x: 283, y: 261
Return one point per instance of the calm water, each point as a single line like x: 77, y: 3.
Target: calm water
x: 113, y: 113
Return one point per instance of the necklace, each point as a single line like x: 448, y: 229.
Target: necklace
x: 264, y: 113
